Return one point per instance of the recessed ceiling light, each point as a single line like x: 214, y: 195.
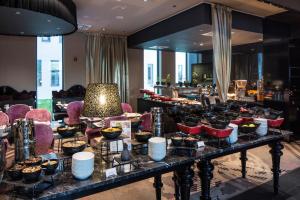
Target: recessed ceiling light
x: 260, y: 39
x: 57, y: 28
x: 103, y: 29
x: 18, y: 13
x: 119, y: 0
x: 119, y: 17
x: 22, y: 33
x: 210, y: 34
x: 232, y: 32
x: 201, y: 44
x: 145, y: 0
x: 49, y: 20
x: 200, y: 30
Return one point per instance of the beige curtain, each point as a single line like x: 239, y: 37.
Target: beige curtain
x: 107, y: 61
x: 221, y: 28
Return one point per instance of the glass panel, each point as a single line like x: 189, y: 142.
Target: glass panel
x: 49, y: 69
x: 150, y: 69
x: 180, y: 60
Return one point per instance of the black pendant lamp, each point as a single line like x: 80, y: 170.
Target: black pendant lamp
x: 37, y: 17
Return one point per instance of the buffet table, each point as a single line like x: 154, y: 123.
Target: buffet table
x: 69, y: 188
x: 204, y: 157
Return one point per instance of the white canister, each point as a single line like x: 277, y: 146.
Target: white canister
x: 233, y: 137
x: 262, y: 129
x: 157, y: 148
x: 83, y: 165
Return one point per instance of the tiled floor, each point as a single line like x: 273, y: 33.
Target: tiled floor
x: 227, y: 185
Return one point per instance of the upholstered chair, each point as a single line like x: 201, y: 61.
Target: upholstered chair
x: 74, y: 110
x: 146, y: 122
x: 126, y: 108
x: 4, y: 119
x: 44, y: 138
x: 17, y: 111
x: 39, y: 115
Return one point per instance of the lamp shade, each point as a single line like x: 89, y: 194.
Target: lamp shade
x: 102, y: 100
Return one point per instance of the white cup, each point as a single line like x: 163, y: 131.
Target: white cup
x: 83, y: 165
x: 157, y: 148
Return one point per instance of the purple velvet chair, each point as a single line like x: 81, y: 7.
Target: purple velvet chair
x: 74, y: 110
x: 39, y: 115
x: 146, y: 122
x: 44, y: 138
x: 126, y: 108
x: 17, y: 111
x: 4, y: 119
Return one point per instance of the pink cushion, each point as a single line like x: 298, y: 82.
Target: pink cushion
x: 39, y: 115
x: 146, y: 122
x: 126, y: 108
x: 44, y: 138
x: 4, y: 119
x: 74, y: 110
x: 17, y: 111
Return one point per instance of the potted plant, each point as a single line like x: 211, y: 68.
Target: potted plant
x: 186, y: 83
x: 168, y: 80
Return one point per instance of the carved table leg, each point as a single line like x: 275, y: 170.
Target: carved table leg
x: 206, y: 174
x: 158, y: 185
x: 176, y: 183
x: 244, y: 159
x: 185, y: 181
x: 276, y: 153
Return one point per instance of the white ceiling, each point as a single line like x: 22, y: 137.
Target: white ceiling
x: 128, y: 16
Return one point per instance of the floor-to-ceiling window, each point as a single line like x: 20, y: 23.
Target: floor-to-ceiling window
x: 49, y: 69
x: 180, y: 68
x: 150, y: 68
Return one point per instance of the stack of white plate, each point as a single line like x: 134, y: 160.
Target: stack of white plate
x: 233, y: 137
x: 157, y: 148
x: 82, y: 165
x: 263, y: 126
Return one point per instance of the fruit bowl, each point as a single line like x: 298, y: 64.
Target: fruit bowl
x: 248, y: 127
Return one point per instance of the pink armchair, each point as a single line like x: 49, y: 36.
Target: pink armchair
x: 17, y: 111
x: 126, y: 108
x: 4, y: 119
x: 44, y: 138
x: 74, y: 110
x: 39, y: 115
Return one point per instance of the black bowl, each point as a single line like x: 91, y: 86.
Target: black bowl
x: 15, y: 173
x: 31, y: 177
x: 34, y: 161
x: 143, y: 136
x: 50, y: 167
x: 111, y: 134
x: 190, y: 142
x: 66, y: 132
x: 177, y: 141
x: 219, y: 125
x: 247, y: 129
x: 71, y: 147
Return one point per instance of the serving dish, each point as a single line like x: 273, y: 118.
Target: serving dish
x: 33, y: 161
x: 276, y: 123
x: 218, y: 133
x: 143, y: 136
x: 189, y: 130
x: 71, y: 147
x: 177, y: 140
x: 15, y: 172
x: 111, y: 133
x: 248, y: 127
x: 190, y: 141
x: 50, y: 166
x: 31, y: 174
x: 66, y: 132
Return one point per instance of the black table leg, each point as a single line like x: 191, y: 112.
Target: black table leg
x: 158, y: 185
x: 186, y: 182
x: 276, y: 152
x: 244, y: 159
x: 176, y: 184
x: 206, y: 174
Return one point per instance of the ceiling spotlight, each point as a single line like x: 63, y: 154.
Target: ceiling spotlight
x: 57, y: 28
x: 22, y: 33
x: 119, y: 17
x: 232, y: 32
x: 49, y: 20
x: 103, y: 29
x: 260, y: 39
x: 200, y: 30
x: 145, y: 0
x: 201, y: 44
x: 18, y: 13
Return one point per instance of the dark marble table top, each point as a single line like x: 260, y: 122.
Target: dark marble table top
x: 68, y: 187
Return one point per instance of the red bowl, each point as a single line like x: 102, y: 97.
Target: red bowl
x: 218, y: 133
x: 195, y: 130
x: 275, y: 123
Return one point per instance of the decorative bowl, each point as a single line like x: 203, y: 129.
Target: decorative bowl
x: 111, y: 133
x: 66, y: 132
x: 143, y: 136
x: 71, y: 147
x: 31, y: 174
x: 15, y: 172
x: 50, y: 166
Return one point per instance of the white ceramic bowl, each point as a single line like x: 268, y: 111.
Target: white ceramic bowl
x: 157, y: 148
x: 83, y: 165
